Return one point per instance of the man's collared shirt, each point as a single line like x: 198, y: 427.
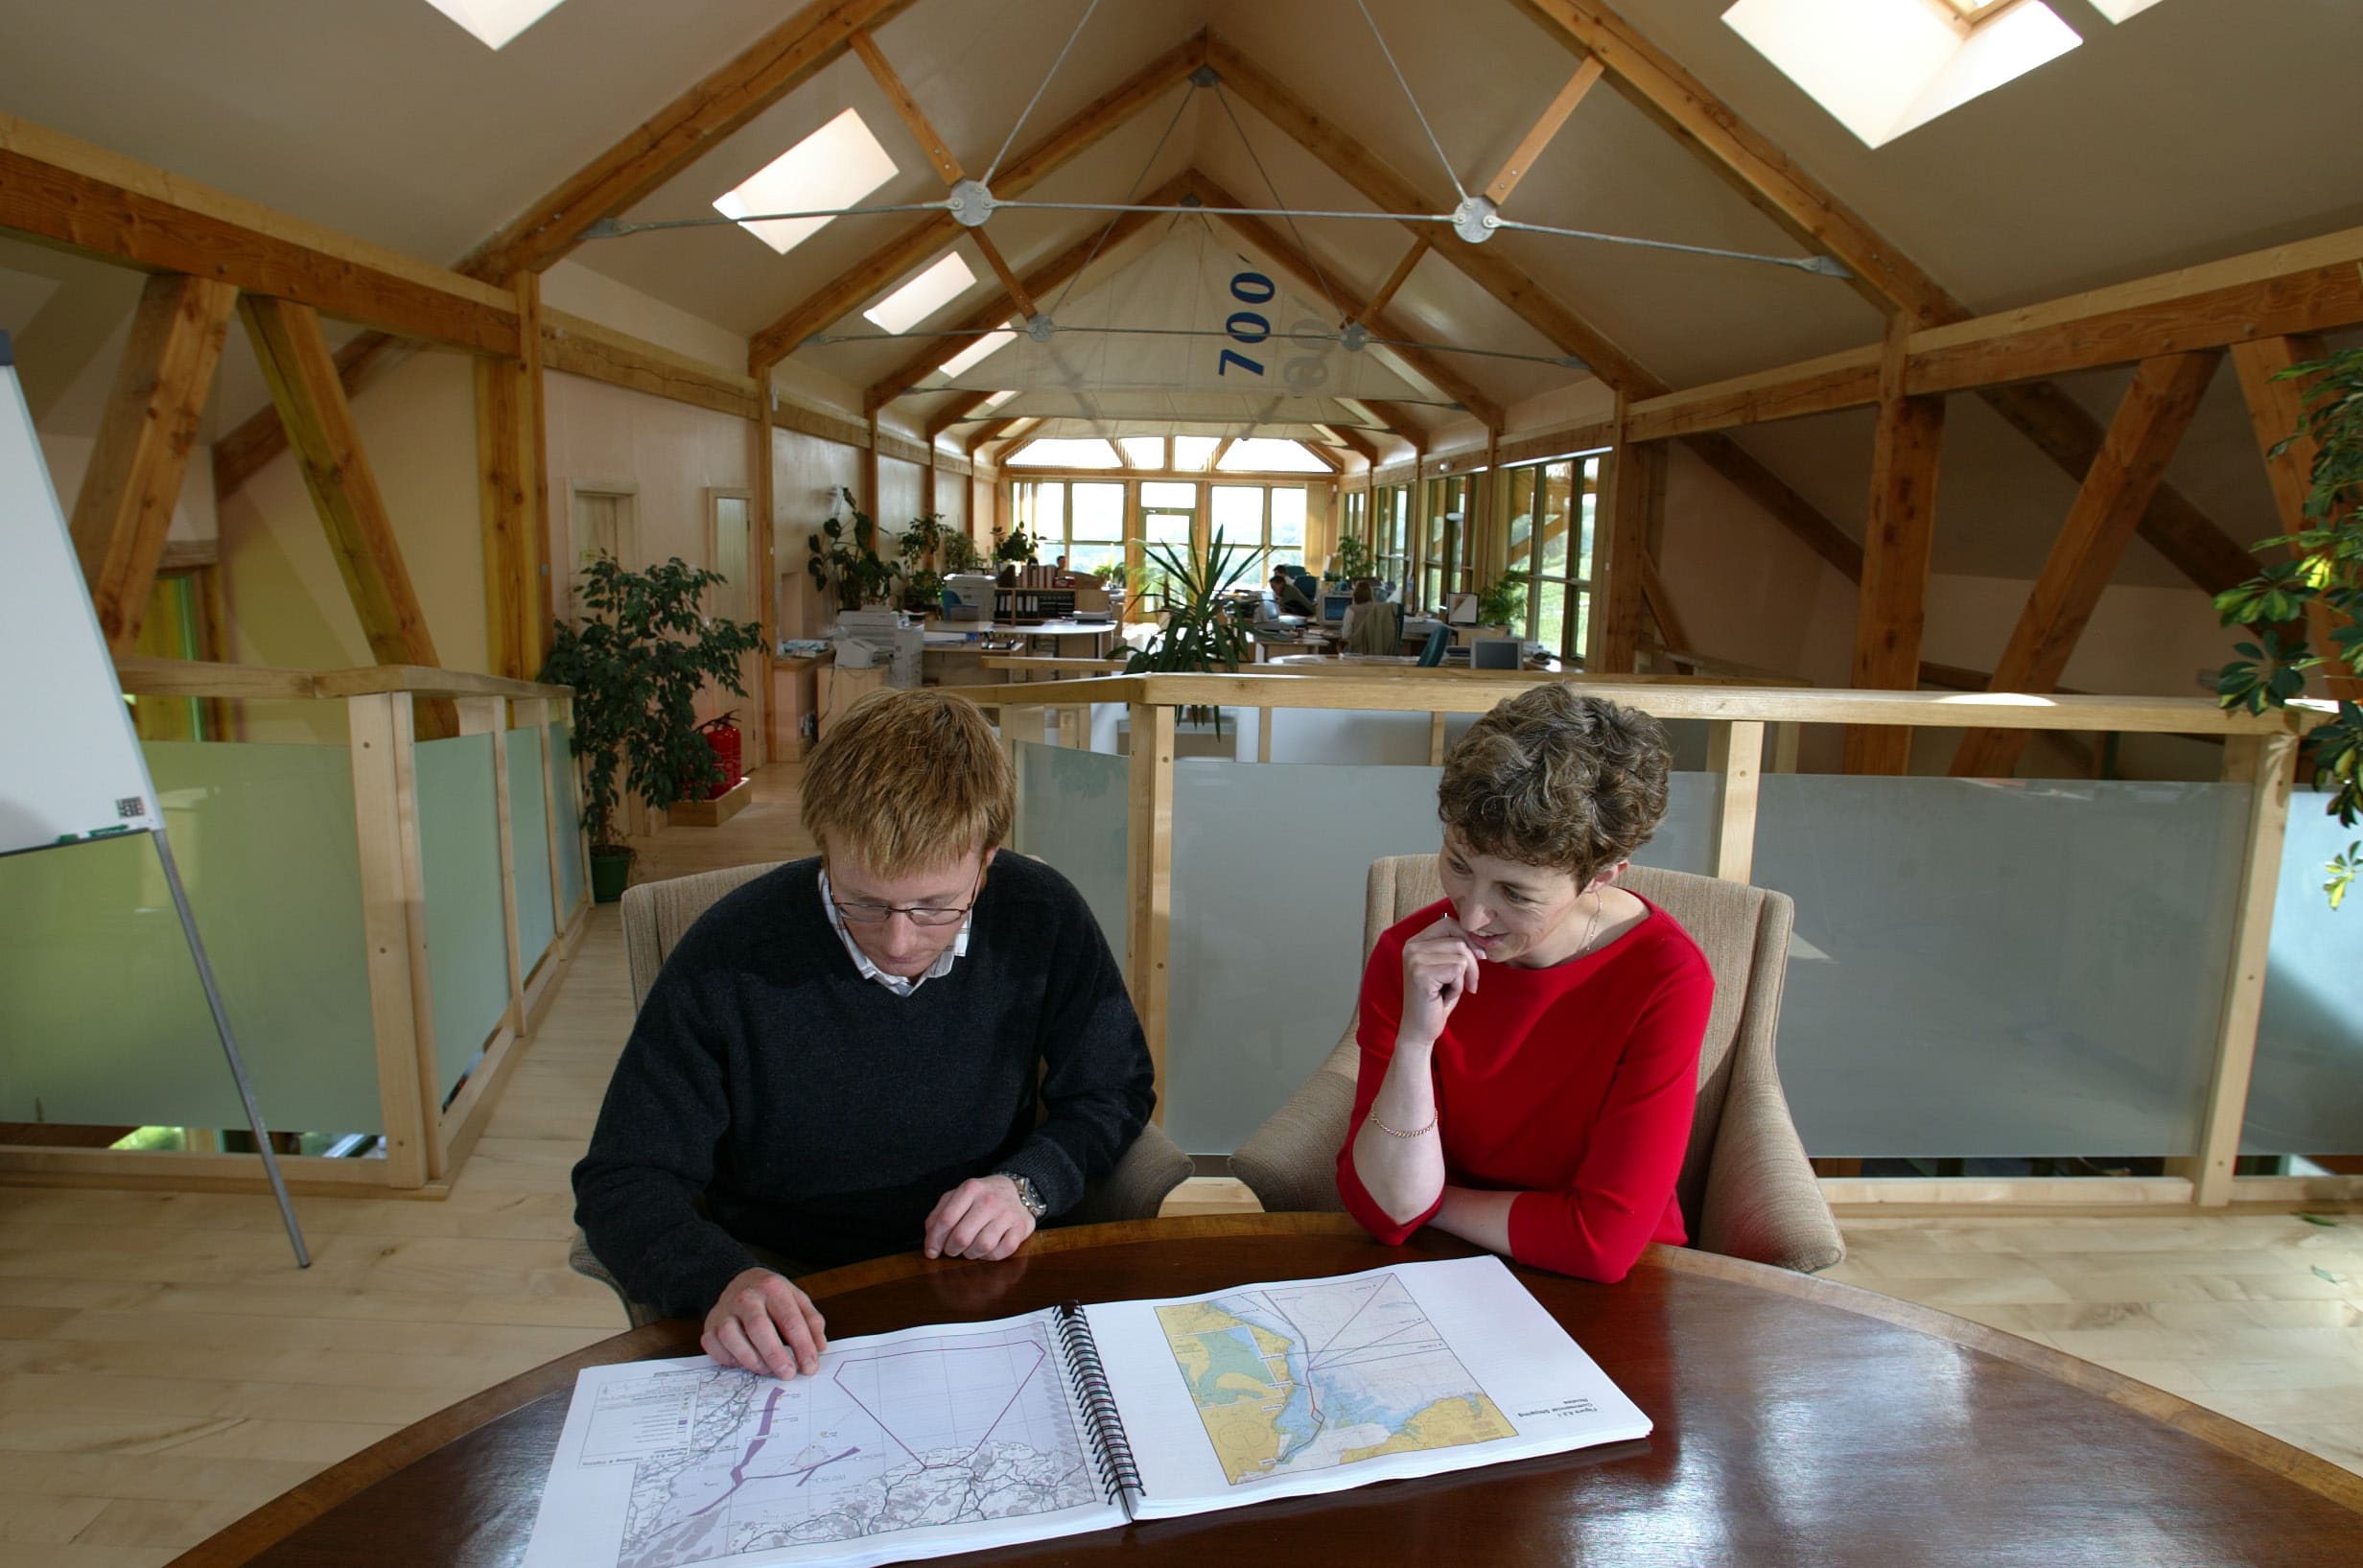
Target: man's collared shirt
x: 895, y: 983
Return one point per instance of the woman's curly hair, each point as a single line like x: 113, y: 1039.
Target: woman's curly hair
x: 1553, y: 778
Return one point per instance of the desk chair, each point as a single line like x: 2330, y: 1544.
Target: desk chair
x: 1746, y: 1189
x: 656, y: 915
x: 1433, y: 653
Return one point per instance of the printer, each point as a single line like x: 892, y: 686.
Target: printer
x: 868, y: 638
x: 967, y: 596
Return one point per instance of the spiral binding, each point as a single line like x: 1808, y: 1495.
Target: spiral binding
x: 1112, y: 1454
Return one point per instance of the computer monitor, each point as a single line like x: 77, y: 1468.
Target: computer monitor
x: 1333, y: 605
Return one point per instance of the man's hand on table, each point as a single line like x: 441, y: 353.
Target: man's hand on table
x: 981, y: 1218
x: 765, y: 1326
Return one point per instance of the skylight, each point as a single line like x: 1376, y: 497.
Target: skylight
x: 494, y: 22
x: 996, y: 400
x: 978, y: 349
x: 2117, y: 10
x: 836, y: 166
x: 923, y: 296
x: 1262, y: 454
x: 1883, y: 67
x: 1192, y: 452
x: 1075, y: 452
x: 1143, y: 450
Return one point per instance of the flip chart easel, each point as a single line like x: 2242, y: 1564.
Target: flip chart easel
x: 74, y: 773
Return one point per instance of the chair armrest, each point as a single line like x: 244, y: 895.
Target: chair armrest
x: 1762, y: 1202
x: 1138, y: 1187
x: 1290, y: 1163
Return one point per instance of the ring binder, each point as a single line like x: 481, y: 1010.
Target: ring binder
x: 1111, y: 1449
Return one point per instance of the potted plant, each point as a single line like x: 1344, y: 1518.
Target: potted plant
x: 1198, y: 636
x: 1504, y: 602
x: 1016, y: 547
x: 1351, y: 559
x: 637, y: 659
x: 922, y: 542
x: 849, y: 566
x: 2320, y: 565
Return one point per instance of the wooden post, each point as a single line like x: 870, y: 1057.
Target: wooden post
x: 384, y: 806
x: 133, y: 481
x: 502, y: 486
x: 2274, y: 407
x: 310, y: 397
x: 1148, y: 854
x: 2110, y: 504
x: 1636, y: 487
x: 869, y: 470
x: 1735, y: 749
x: 1893, y: 601
x: 2265, y: 762
x: 1435, y: 739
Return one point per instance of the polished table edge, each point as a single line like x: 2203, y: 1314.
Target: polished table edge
x: 238, y: 1543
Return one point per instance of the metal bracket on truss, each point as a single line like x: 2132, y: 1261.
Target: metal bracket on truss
x: 1355, y: 338
x: 971, y: 204
x: 1040, y: 328
x: 1475, y: 219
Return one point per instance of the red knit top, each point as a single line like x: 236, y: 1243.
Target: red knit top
x: 1572, y: 1086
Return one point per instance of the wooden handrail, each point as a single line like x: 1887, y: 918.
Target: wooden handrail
x: 194, y: 678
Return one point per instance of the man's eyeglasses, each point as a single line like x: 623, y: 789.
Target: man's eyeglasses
x: 918, y: 914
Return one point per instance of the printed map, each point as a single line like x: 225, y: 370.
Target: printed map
x: 920, y: 1433
x: 1312, y: 1376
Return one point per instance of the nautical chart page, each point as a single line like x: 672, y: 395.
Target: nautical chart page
x: 902, y: 1445
x: 1316, y: 1385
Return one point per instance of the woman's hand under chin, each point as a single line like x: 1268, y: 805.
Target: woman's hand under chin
x: 1440, y: 967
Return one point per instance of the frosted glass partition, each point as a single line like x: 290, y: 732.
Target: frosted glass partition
x: 570, y: 813
x: 1269, y: 867
x: 467, y: 941
x: 528, y: 826
x: 2306, y: 1095
x: 101, y: 1019
x: 2003, y: 968
x: 1073, y: 810
x: 1335, y: 736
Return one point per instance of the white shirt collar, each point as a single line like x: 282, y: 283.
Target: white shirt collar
x: 869, y: 970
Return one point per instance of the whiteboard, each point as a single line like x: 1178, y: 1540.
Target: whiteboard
x: 72, y: 769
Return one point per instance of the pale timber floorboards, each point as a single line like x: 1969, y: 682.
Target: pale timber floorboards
x: 164, y: 1367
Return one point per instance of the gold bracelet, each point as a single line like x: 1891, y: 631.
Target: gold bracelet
x: 1396, y: 1132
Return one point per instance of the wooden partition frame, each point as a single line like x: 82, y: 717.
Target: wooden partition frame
x: 426, y: 1142
x: 2261, y: 750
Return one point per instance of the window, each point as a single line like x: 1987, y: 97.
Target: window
x: 1551, y: 514
x: 1082, y: 520
x: 1883, y: 67
x: 1192, y: 452
x: 1443, y: 546
x: 1143, y: 450
x: 1168, y: 516
x: 923, y: 296
x: 1052, y: 451
x: 1390, y: 508
x: 836, y: 166
x: 1259, y: 456
x: 494, y: 22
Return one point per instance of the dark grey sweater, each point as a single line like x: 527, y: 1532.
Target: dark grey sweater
x: 770, y: 1094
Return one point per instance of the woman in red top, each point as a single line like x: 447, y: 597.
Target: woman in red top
x: 1530, y: 1044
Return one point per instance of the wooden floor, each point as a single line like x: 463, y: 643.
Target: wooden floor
x: 164, y: 1367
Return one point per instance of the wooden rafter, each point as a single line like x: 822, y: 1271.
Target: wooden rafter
x: 1272, y: 242
x: 310, y: 397
x: 1521, y: 161
x: 1322, y: 456
x: 931, y: 236
x: 1881, y: 273
x: 1215, y: 460
x: 761, y: 74
x: 1358, y: 442
x: 133, y: 481
x: 991, y: 315
x: 2149, y: 425
x: 1395, y: 279
x: 961, y: 405
x: 240, y: 455
x: 1661, y: 607
x: 1891, y: 604
x: 2274, y: 407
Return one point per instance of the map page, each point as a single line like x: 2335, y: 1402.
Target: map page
x: 901, y: 1446
x: 1306, y: 1377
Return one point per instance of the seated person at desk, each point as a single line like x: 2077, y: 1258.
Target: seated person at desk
x: 1290, y: 598
x: 1530, y: 1044
x: 840, y: 1059
x: 1372, y: 624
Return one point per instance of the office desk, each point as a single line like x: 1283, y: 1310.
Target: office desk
x: 1797, y: 1422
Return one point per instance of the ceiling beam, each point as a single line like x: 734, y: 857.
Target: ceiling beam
x: 1358, y: 442
x: 931, y: 236
x: 961, y: 405
x: 1881, y: 273
x: 1273, y: 244
x: 990, y: 315
x: 1521, y: 161
x: 767, y: 71
x: 1395, y: 279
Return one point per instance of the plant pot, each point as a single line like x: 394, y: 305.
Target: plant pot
x: 610, y: 870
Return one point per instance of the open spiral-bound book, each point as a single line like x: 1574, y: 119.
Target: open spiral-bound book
x: 1078, y: 1417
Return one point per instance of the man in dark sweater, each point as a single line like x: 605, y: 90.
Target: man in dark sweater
x: 843, y: 1058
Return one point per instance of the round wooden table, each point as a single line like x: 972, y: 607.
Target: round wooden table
x: 1797, y: 1422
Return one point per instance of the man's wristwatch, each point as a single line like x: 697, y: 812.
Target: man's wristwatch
x: 1026, y: 1195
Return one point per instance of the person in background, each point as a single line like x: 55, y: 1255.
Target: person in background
x: 1288, y: 597
x: 902, y: 1042
x: 1530, y: 1042
x: 1372, y: 626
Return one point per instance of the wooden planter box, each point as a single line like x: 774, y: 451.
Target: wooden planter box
x: 712, y: 813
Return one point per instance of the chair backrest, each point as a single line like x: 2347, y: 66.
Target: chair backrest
x: 1380, y: 630
x: 1434, y: 654
x: 657, y: 914
x: 1743, y: 930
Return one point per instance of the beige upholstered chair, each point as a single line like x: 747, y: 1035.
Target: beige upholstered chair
x: 1746, y: 1187
x: 656, y: 915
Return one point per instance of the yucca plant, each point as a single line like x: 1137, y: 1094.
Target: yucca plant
x: 2320, y: 564
x: 1200, y: 635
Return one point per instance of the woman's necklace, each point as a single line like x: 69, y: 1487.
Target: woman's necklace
x: 1591, y: 927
